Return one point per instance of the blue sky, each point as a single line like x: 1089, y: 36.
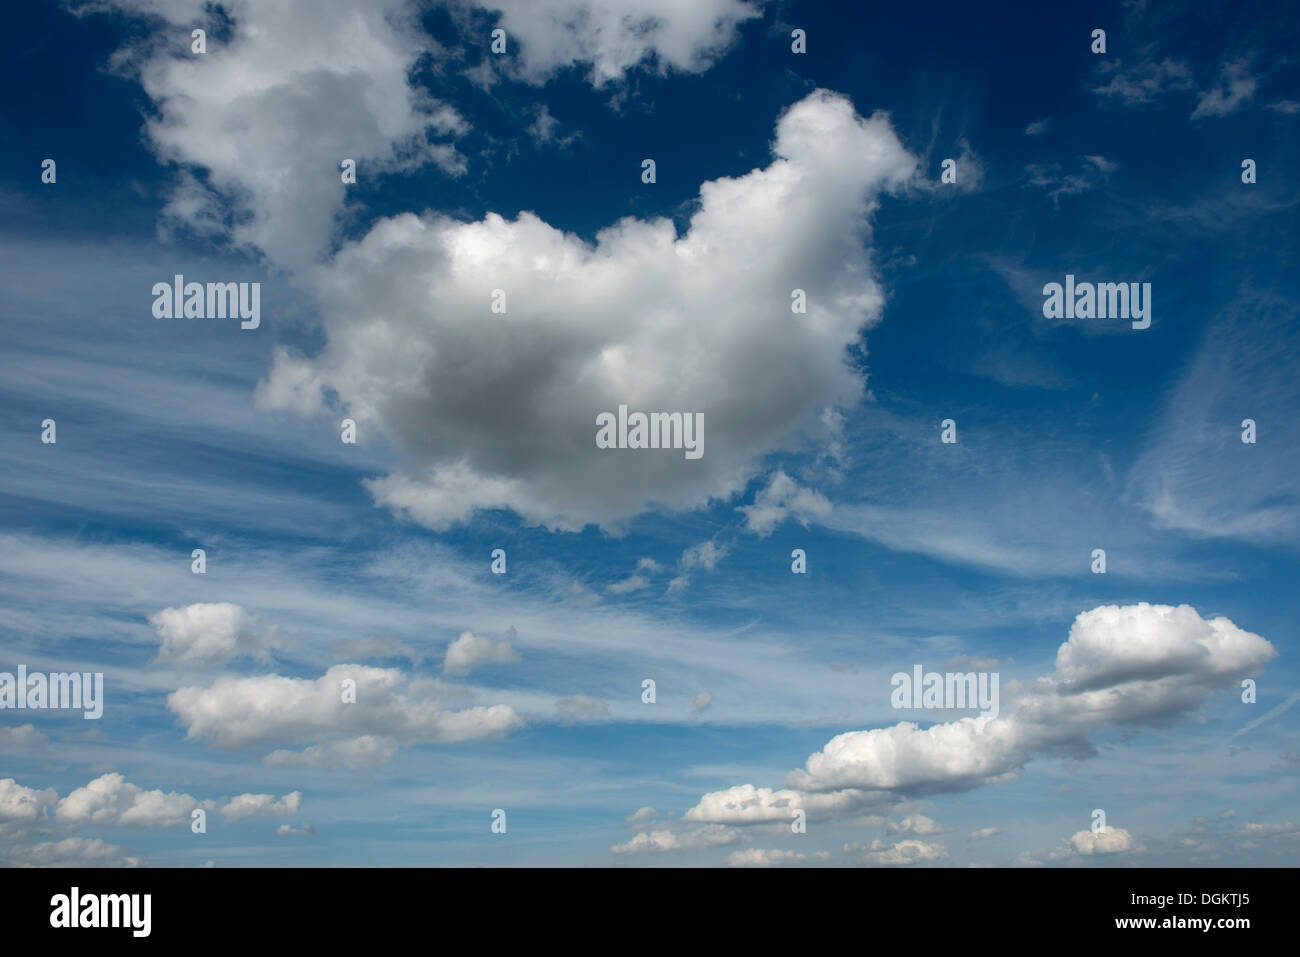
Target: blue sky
x: 522, y: 691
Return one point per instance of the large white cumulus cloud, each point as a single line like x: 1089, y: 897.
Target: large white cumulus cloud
x: 499, y: 411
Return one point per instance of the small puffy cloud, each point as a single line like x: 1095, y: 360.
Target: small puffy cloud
x: 21, y: 807
x: 746, y: 804
x: 1109, y: 840
x: 240, y: 712
x: 663, y: 840
x: 702, y: 702
x: 780, y: 499
x: 259, y: 805
x: 71, y: 852
x: 209, y: 634
x: 1038, y: 127
x: 643, y: 814
x: 757, y: 857
x: 545, y: 128
x: 917, y: 824
x: 630, y: 584
x: 1255, y: 827
x: 470, y: 651
x: 902, y: 853
x: 982, y: 834
x: 287, y: 829
x: 705, y: 555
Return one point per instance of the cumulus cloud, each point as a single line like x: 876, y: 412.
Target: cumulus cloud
x: 111, y: 800
x: 499, y: 410
x: 917, y: 824
x: 643, y: 814
x: 902, y: 853
x: 1255, y: 827
x: 469, y: 651
x: 702, y: 702
x: 1109, y: 840
x: 257, y: 805
x: 1122, y: 667
x: 391, y: 706
x: 982, y: 834
x: 758, y: 857
x: 70, y: 852
x: 746, y: 804
x: 630, y: 584
x: 273, y: 107
x: 209, y: 634
x: 668, y: 840
x: 607, y: 38
x: 705, y: 555
x: 21, y: 807
x: 780, y: 499
x: 286, y: 829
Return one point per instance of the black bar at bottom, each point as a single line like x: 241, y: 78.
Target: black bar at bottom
x: 364, y: 906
